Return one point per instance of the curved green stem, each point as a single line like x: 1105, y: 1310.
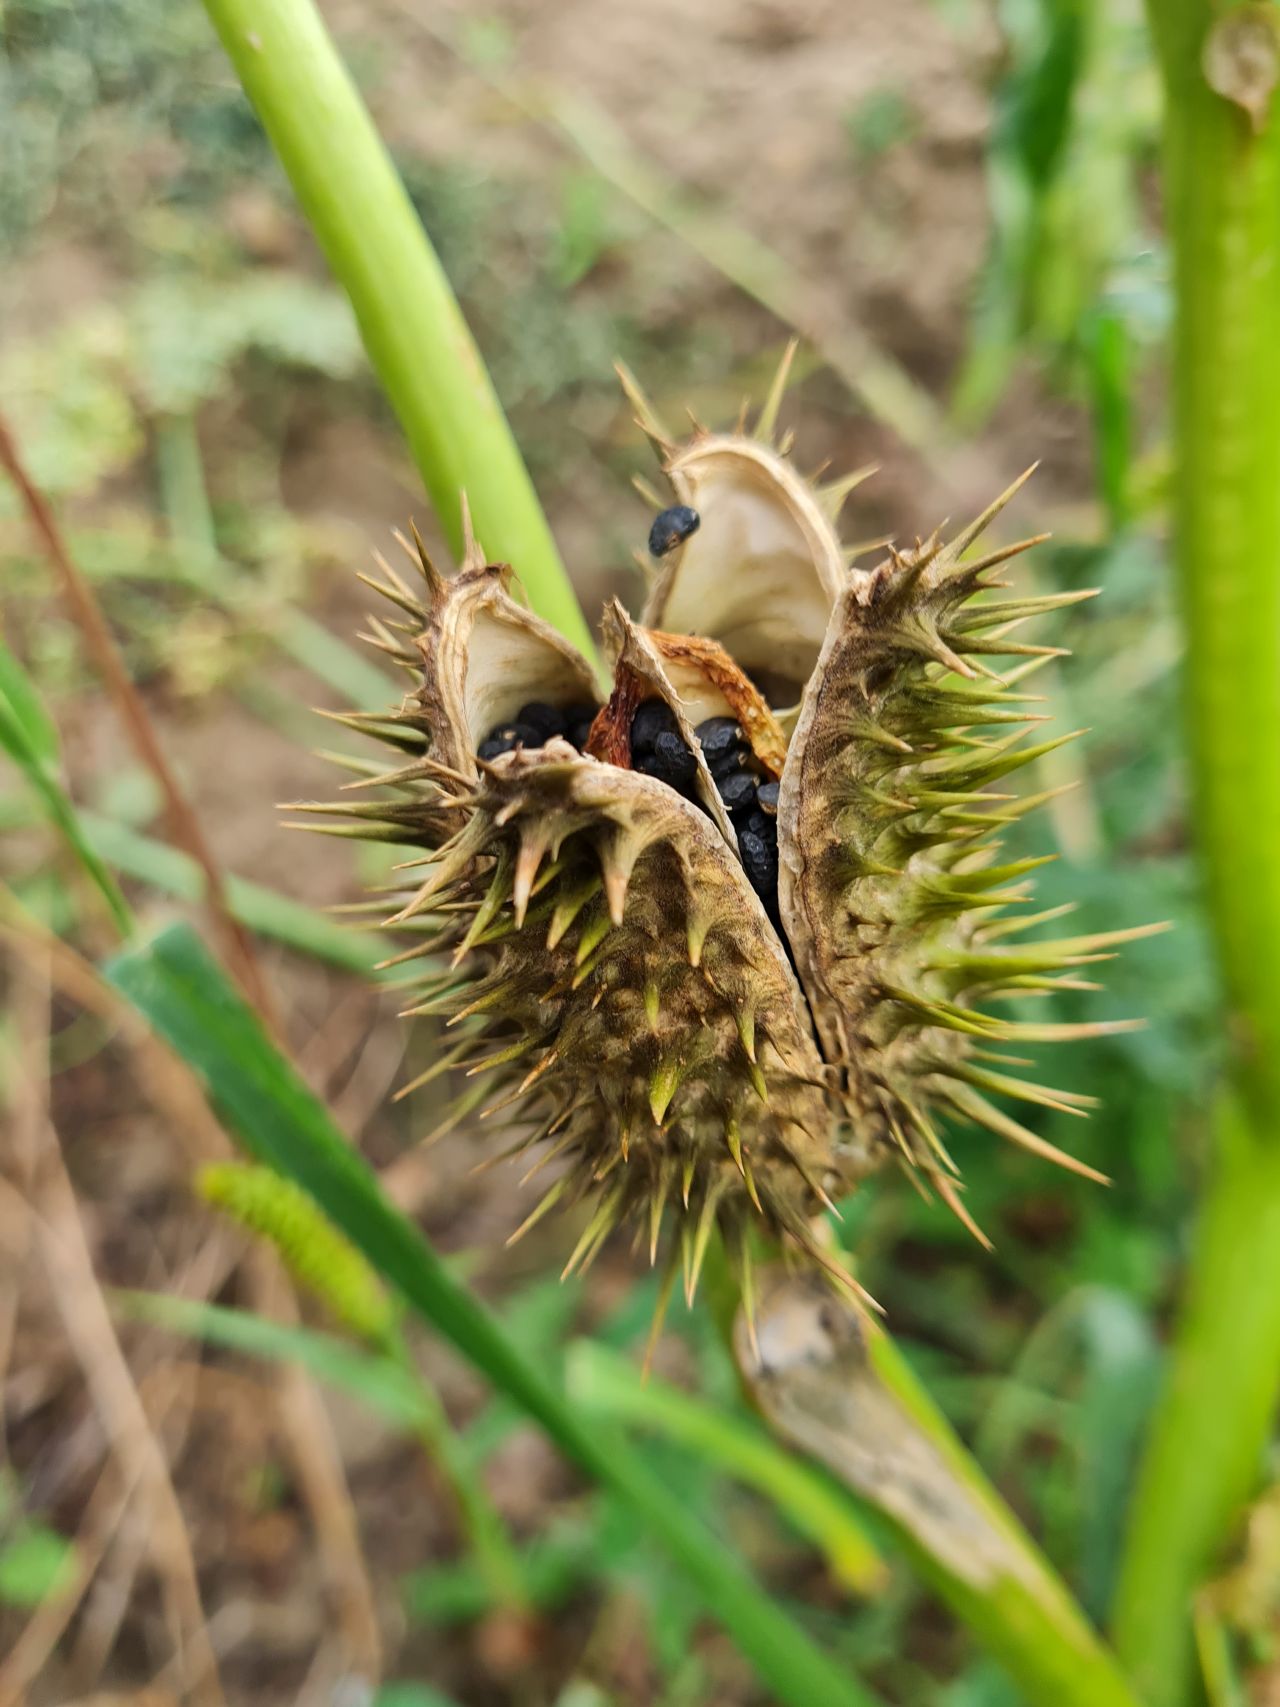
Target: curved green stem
x: 1222, y: 185
x: 409, y: 319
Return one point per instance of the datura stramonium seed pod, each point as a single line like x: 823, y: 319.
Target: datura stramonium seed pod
x: 722, y: 943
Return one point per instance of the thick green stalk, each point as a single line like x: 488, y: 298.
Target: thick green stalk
x: 410, y: 321
x: 1222, y: 192
x: 1205, y: 1453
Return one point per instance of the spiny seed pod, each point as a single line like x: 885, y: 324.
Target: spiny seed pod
x: 723, y: 948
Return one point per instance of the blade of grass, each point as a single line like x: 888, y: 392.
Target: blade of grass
x: 409, y: 319
x: 610, y: 1387
x: 374, y: 1378
x: 177, y: 985
x: 265, y: 911
x: 28, y: 735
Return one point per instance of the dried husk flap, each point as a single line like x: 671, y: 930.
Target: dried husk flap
x: 482, y: 656
x: 643, y: 1012
x: 640, y: 674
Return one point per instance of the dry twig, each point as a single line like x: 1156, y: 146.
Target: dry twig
x: 184, y: 826
x: 304, y: 1421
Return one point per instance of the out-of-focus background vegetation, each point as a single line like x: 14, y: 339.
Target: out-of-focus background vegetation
x: 954, y: 200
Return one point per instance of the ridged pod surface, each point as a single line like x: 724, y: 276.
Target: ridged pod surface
x: 679, y: 1039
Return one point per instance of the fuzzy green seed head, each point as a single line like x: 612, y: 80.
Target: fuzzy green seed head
x: 319, y: 1257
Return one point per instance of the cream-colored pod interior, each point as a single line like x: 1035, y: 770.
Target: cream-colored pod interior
x: 764, y: 568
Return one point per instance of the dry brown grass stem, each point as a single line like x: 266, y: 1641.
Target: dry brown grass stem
x: 304, y: 1421
x: 58, y: 1237
x: 184, y: 825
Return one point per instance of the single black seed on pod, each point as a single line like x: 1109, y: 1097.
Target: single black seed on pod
x: 757, y: 822
x: 655, y: 717
x: 547, y: 720
x: 671, y: 528
x: 767, y: 795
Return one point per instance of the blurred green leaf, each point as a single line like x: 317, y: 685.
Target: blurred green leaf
x: 552, y: 1567
x: 35, y: 1563
x: 28, y: 736
x: 611, y: 1387
x: 411, y: 1695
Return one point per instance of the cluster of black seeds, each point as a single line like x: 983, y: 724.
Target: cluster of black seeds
x: 534, y: 725
x: 751, y: 802
x: 658, y: 749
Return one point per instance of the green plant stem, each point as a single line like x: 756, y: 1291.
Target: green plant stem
x: 1205, y: 1451
x: 409, y: 320
x: 1023, y: 1615
x: 1222, y: 192
x: 859, y: 1410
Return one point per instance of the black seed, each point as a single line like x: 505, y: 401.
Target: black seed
x: 505, y: 737
x: 760, y: 862
x: 767, y: 795
x: 755, y: 821
x: 719, y: 736
x: 577, y: 723
x: 671, y: 527
x: 548, y: 720
x: 501, y: 741
x: 726, y: 764
x: 655, y: 717
x: 738, y: 791
x: 674, y: 762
